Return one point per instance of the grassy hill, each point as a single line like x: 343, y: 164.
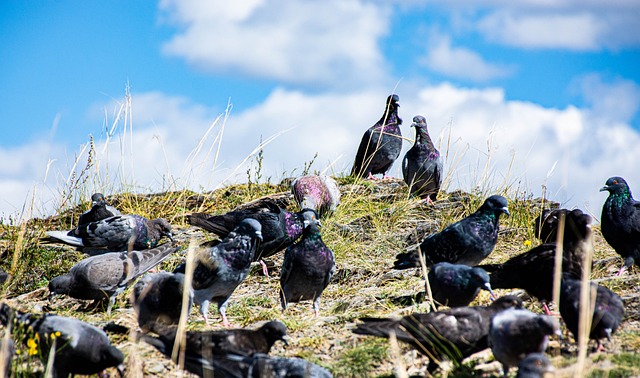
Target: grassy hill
x: 375, y: 221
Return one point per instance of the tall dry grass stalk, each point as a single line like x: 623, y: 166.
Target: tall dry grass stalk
x: 587, y: 306
x: 179, y: 348
x: 396, y: 355
x: 557, y: 271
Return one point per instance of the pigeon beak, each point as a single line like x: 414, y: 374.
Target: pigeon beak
x: 487, y: 286
x: 120, y: 369
x: 604, y: 188
x: 505, y: 210
x: 259, y: 235
x: 285, y: 340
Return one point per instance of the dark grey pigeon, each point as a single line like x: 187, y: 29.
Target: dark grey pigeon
x: 456, y: 285
x: 157, y: 298
x: 517, y: 332
x: 222, y: 267
x: 263, y: 366
x: 202, y: 346
x: 280, y: 228
x: 307, y: 268
x: 534, y: 365
x: 114, y: 234
x: 467, y: 241
x: 103, y: 277
x: 422, y: 164
x: 99, y: 210
x: 546, y: 226
x: 318, y: 192
x: 620, y: 221
x: 451, y: 334
x: 80, y: 348
x: 381, y: 143
x: 607, y: 314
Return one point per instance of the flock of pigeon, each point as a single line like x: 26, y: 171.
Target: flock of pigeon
x: 123, y: 248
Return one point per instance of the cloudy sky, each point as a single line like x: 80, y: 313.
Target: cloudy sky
x: 518, y: 94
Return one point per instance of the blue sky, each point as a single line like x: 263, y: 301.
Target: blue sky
x: 548, y: 86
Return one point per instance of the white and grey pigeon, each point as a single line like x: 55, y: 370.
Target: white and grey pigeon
x: 104, y: 276
x: 307, y: 268
x: 80, y: 348
x: 515, y: 333
x: 318, y: 192
x: 422, y: 164
x: 99, y: 210
x: 222, y: 267
x: 456, y: 285
x: 535, y: 365
x: 381, y: 143
x: 157, y: 298
x: 114, y: 234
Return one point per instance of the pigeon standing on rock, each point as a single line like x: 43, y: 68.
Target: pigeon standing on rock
x: 157, y: 298
x: 535, y: 365
x: 80, y: 348
x: 422, y: 164
x: 307, y: 268
x: 467, y: 241
x: 280, y: 228
x: 103, y: 277
x: 381, y: 143
x: 222, y: 267
x: 517, y: 332
x: 452, y: 334
x: 456, y: 285
x: 99, y: 210
x: 620, y: 221
x: 318, y: 192
x: 119, y: 233
x: 202, y: 346
x: 607, y: 313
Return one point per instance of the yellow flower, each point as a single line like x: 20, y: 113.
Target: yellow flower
x: 527, y: 243
x: 33, y: 346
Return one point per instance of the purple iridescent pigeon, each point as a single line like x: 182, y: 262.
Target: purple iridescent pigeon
x: 320, y: 193
x: 422, y: 164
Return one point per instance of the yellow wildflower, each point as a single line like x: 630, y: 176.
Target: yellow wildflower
x: 527, y: 243
x: 33, y: 346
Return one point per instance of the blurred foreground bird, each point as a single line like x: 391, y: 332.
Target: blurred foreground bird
x: 456, y: 285
x: 80, y: 348
x: 534, y: 365
x: 99, y: 210
x: 307, y: 268
x: 157, y: 298
x: 574, y: 231
x: 222, y: 267
x: 608, y: 310
x: 517, y: 332
x: 381, y: 143
x: 119, y: 233
x: 620, y: 222
x: 104, y: 276
x: 451, y: 334
x: 280, y: 228
x: 263, y: 366
x: 422, y: 164
x: 318, y: 192
x: 467, y: 241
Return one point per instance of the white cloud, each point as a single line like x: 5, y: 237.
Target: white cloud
x: 321, y: 43
x: 617, y: 99
x: 460, y: 62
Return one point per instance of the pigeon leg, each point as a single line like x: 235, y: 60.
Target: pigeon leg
x: 112, y: 301
x: 204, y: 309
x: 622, y: 270
x: 546, y: 308
x: 222, y: 309
x: 316, y: 306
x: 265, y: 270
x: 428, y: 200
x: 371, y: 177
x: 283, y: 300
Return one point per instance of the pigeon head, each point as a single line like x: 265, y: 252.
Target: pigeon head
x: 506, y: 302
x: 577, y: 225
x: 616, y: 185
x: 275, y: 331
x: 392, y: 102
x: 308, y: 215
x: 480, y: 278
x: 251, y: 227
x: 97, y: 199
x: 60, y: 285
x: 112, y: 356
x: 496, y: 204
x: 534, y: 365
x: 419, y: 122
x: 161, y: 227
x: 548, y: 325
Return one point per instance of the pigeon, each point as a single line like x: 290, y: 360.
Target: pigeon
x: 381, y: 143
x: 607, y: 314
x: 99, y: 210
x: 114, y: 234
x: 80, y: 348
x: 262, y: 366
x: 422, y: 164
x: 533, y: 270
x: 320, y: 193
x: 467, y: 241
x: 157, y: 298
x: 202, y: 346
x: 453, y: 334
x: 534, y: 365
x: 620, y: 222
x: 280, y: 228
x: 222, y: 267
x: 546, y: 226
x: 514, y: 333
x: 456, y: 285
x: 307, y: 268
x: 103, y: 277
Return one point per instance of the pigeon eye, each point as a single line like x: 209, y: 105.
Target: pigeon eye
x: 615, y: 182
